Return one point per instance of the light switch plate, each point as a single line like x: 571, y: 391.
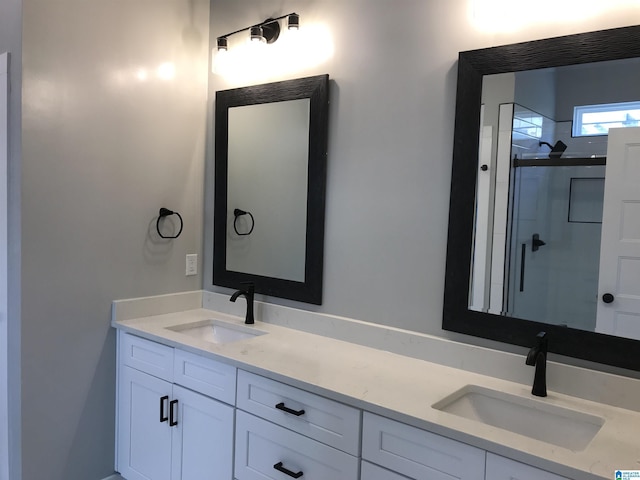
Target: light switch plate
x: 191, y: 264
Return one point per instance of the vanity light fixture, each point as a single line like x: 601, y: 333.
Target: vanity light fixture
x: 257, y: 34
x: 267, y: 31
x: 293, y: 21
x: 222, y: 44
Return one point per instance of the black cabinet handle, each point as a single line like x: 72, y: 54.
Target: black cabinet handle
x: 278, y: 466
x: 173, y: 420
x: 608, y: 298
x: 163, y: 416
x: 297, y: 413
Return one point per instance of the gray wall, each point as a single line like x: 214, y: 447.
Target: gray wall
x: 536, y: 90
x: 607, y: 82
x: 390, y: 143
x: 10, y: 41
x: 103, y: 149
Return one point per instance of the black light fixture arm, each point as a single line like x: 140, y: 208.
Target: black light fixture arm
x: 262, y: 24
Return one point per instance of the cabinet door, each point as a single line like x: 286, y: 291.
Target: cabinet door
x: 144, y: 442
x: 369, y: 471
x: 418, y: 454
x: 265, y: 451
x: 202, y: 438
x: 205, y: 375
x: 325, y: 420
x: 500, y: 468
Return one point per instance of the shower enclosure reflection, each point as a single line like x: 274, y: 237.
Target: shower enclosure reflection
x: 540, y: 193
x: 554, y: 244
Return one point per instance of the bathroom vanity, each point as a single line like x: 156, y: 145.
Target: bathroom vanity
x: 198, y: 392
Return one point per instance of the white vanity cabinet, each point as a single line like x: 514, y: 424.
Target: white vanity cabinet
x: 166, y: 431
x: 500, y: 468
x: 369, y: 471
x: 416, y: 453
x: 283, y: 432
x: 183, y: 416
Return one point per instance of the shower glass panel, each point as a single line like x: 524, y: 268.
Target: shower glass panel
x: 554, y: 245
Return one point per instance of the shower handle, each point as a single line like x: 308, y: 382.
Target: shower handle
x: 536, y: 243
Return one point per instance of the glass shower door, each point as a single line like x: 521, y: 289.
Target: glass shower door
x: 554, y: 244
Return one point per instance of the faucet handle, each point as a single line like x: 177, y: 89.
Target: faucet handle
x: 250, y: 286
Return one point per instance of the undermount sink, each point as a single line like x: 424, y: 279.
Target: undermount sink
x: 523, y: 415
x: 217, y: 331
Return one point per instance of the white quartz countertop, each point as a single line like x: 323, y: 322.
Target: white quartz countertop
x: 404, y: 389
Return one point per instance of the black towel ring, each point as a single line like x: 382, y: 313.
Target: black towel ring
x: 238, y: 213
x: 165, y: 212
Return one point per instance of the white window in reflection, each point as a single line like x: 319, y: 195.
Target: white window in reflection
x: 527, y: 124
x: 592, y: 120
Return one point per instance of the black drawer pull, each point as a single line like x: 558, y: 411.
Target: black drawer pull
x: 278, y: 466
x: 173, y: 421
x: 163, y: 416
x: 297, y: 413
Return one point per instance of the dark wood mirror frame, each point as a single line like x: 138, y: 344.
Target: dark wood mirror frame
x: 604, y: 45
x: 317, y: 90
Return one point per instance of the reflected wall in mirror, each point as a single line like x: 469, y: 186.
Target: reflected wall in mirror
x: 536, y: 193
x: 270, y: 176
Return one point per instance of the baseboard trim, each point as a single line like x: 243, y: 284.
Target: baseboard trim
x: 115, y: 476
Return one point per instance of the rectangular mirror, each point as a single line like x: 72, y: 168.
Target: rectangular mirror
x: 542, y: 216
x: 270, y: 177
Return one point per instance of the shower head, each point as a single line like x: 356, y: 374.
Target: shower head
x: 556, y: 150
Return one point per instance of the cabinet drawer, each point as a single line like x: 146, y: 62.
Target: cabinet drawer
x: 418, y: 453
x: 263, y: 447
x: 370, y: 471
x: 146, y: 356
x: 500, y: 468
x: 324, y: 420
x: 205, y: 375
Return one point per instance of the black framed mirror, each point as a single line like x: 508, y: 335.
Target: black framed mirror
x: 270, y: 182
x: 473, y: 67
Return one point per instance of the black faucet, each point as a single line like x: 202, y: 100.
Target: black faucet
x: 248, y: 295
x: 538, y: 356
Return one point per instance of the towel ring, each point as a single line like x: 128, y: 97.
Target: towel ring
x: 165, y: 212
x: 238, y: 213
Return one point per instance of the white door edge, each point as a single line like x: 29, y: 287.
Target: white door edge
x: 4, y: 346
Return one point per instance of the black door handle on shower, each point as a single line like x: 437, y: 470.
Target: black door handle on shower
x: 173, y: 420
x: 297, y: 413
x: 523, y: 257
x: 278, y: 466
x: 536, y: 243
x: 163, y: 415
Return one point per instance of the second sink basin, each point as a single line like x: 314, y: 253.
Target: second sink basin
x: 525, y: 416
x: 217, y: 331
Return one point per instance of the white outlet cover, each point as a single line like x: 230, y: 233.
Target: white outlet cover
x: 191, y: 264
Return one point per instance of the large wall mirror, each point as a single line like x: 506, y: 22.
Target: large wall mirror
x: 544, y: 222
x: 270, y: 177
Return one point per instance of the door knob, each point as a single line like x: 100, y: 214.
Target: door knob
x: 608, y: 298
